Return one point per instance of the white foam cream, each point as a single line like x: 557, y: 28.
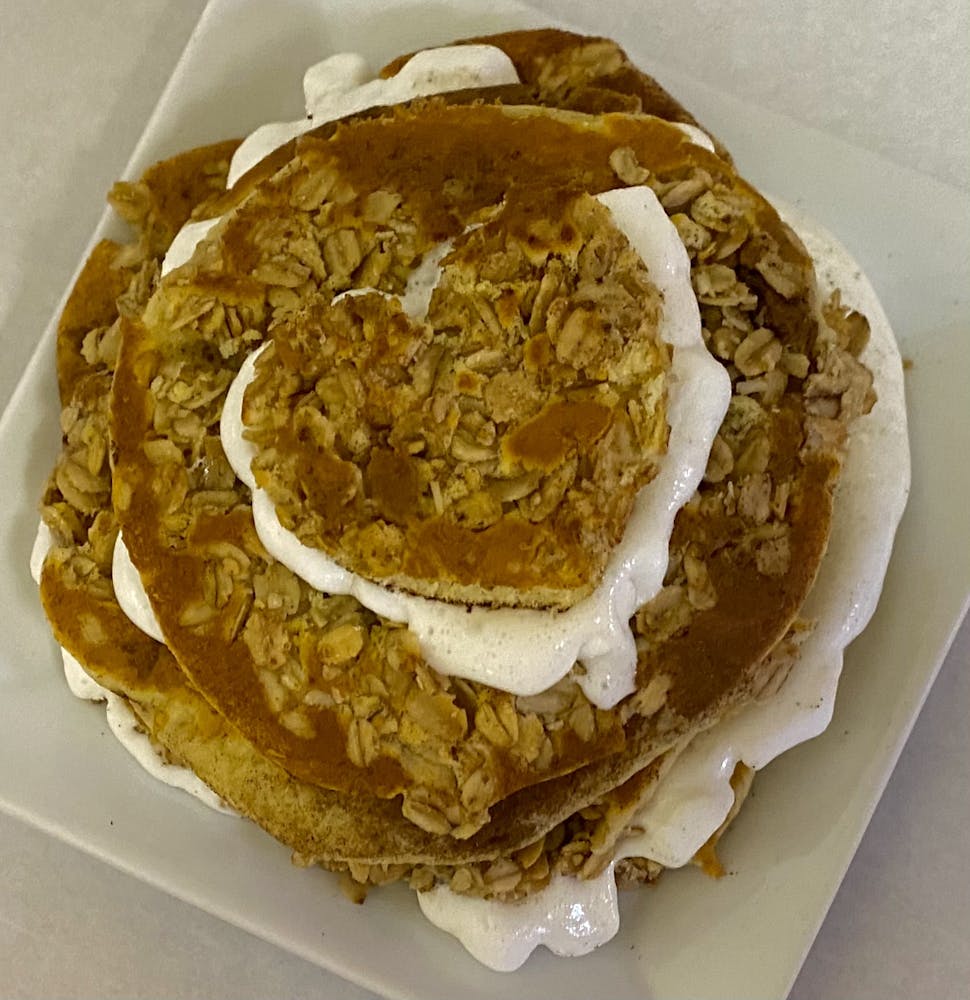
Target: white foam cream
x: 126, y: 729
x: 43, y: 541
x: 570, y: 917
x: 185, y: 242
x: 81, y: 684
x: 696, y: 135
x: 694, y: 797
x: 526, y: 651
x: 339, y: 86
x: 130, y: 592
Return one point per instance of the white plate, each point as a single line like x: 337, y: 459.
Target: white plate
x: 744, y: 936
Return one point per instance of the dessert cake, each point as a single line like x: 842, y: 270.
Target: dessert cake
x: 406, y: 406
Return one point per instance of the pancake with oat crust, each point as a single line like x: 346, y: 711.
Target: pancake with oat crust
x: 537, y: 829
x: 366, y: 836
x: 491, y: 451
x: 342, y: 698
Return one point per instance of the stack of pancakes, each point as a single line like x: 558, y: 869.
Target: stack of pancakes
x: 487, y: 453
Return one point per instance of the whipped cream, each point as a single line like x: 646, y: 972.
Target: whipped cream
x: 526, y: 651
x: 696, y: 135
x: 694, y: 796
x: 43, y: 543
x: 569, y: 916
x: 339, y: 86
x: 130, y: 592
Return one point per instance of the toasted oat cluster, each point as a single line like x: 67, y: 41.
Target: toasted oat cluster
x: 489, y: 452
x: 484, y: 448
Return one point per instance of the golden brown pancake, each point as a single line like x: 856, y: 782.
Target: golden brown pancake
x: 343, y: 699
x: 560, y: 69
x: 608, y: 761
x: 472, y: 456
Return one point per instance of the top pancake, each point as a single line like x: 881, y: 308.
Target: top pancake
x: 343, y: 699
x: 491, y: 450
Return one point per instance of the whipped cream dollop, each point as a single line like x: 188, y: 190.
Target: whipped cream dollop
x: 694, y: 796
x: 523, y: 650
x: 570, y: 917
x: 130, y: 592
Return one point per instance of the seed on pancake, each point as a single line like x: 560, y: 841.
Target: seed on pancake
x: 694, y: 236
x: 67, y: 475
x: 794, y: 364
x: 362, y: 742
x: 728, y: 243
x: 491, y: 724
x: 532, y: 740
x: 461, y: 881
x: 476, y: 791
x: 785, y: 277
x: 550, y: 702
x: 769, y: 387
x: 717, y: 284
x: 527, y: 856
x: 773, y: 556
x: 466, y: 450
x: 195, y: 614
x: 549, y: 288
x: 759, y: 352
x: 502, y: 876
x: 714, y: 211
x: 720, y: 462
x: 425, y: 816
x: 686, y: 190
x: 700, y: 587
x: 284, y: 271
x: 342, y: 643
x: 297, y: 723
x: 625, y: 165
x: 649, y: 699
x: 342, y: 253
x: 582, y: 720
x: 754, y: 457
x: 436, y: 714
x: 851, y: 327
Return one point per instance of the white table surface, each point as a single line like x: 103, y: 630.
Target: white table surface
x: 77, y: 83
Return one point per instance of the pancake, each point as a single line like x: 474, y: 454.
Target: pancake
x: 557, y: 69
x: 343, y: 699
x: 465, y: 454
x: 561, y: 69
x: 730, y: 592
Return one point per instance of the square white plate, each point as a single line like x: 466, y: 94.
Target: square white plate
x: 743, y: 936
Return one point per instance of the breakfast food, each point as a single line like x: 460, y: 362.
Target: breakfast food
x: 456, y: 489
